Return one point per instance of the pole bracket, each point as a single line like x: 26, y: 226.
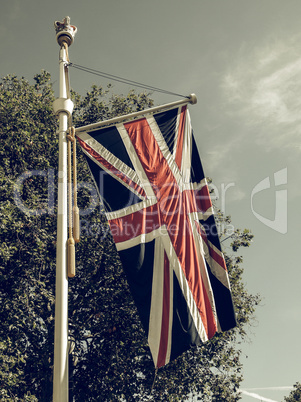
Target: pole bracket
x: 63, y: 105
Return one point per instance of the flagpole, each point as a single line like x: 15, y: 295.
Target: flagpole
x: 63, y: 108
x: 192, y: 99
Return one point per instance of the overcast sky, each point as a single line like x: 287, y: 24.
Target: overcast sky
x: 243, y: 60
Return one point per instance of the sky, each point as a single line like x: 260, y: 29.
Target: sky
x: 242, y: 59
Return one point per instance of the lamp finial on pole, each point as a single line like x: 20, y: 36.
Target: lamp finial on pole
x: 64, y: 31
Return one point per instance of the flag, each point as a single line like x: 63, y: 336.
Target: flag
x: 150, y: 178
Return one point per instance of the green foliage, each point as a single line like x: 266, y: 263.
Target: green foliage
x: 96, y: 105
x: 295, y: 394
x: 110, y: 359
x: 27, y: 252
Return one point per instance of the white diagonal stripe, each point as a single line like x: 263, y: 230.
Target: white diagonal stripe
x: 155, y: 319
x: 113, y: 160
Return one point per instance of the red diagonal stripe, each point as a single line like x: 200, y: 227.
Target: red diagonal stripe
x: 202, y: 198
x: 95, y: 155
x: 213, y: 254
x: 218, y: 258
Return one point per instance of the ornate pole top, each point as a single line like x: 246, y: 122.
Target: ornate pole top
x: 64, y: 31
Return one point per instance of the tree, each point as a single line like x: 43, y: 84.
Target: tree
x: 109, y: 359
x: 295, y: 394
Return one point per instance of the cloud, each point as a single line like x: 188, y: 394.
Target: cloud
x: 262, y: 88
x: 220, y: 153
x: 275, y: 97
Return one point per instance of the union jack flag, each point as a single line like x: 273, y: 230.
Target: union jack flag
x: 157, y: 203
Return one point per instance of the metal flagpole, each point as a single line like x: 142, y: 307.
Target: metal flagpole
x: 63, y: 108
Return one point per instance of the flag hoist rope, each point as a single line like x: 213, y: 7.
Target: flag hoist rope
x: 73, y: 211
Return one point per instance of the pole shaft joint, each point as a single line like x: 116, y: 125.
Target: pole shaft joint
x: 63, y: 105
